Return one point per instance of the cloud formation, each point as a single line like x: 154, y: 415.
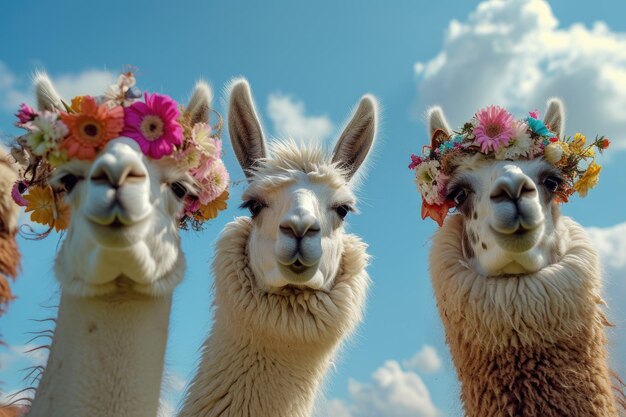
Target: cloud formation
x: 16, y: 89
x: 513, y: 53
x: 610, y: 242
x: 426, y: 360
x: 290, y: 121
x: 392, y: 392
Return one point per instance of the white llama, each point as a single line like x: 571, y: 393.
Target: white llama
x: 290, y: 284
x: 517, y: 284
x: 118, y: 266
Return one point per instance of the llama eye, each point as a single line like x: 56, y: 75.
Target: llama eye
x: 343, y: 210
x: 458, y: 195
x: 552, y: 183
x: 69, y: 181
x: 254, y: 206
x: 179, y: 190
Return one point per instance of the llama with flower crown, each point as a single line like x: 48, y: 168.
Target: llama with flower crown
x: 517, y: 284
x: 121, y: 175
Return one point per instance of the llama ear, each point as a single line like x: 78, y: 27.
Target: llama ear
x: 246, y: 134
x: 200, y: 103
x: 438, y: 128
x: 47, y: 96
x: 555, y: 116
x: 358, y: 137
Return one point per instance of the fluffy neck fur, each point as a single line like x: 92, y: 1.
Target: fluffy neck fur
x: 106, y: 358
x: 531, y: 345
x: 9, y: 266
x: 268, y: 352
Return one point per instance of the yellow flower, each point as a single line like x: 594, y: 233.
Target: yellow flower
x: 77, y: 104
x: 45, y: 210
x: 589, y: 179
x: 579, y: 141
x: 577, y: 146
x: 210, y: 211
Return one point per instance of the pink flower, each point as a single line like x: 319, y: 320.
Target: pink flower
x: 534, y: 114
x: 212, y: 178
x: 415, y: 161
x: 18, y: 189
x: 154, y: 125
x: 494, y: 129
x: 25, y: 114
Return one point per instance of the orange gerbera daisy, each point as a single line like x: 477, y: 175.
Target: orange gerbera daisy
x: 209, y: 211
x: 91, y: 129
x: 46, y: 209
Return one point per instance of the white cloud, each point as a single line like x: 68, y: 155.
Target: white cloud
x: 513, y: 53
x: 610, y: 242
x: 91, y: 81
x: 290, y: 120
x: 425, y: 360
x: 173, y: 386
x: 18, y: 89
x: 166, y: 409
x: 17, y: 398
x: 392, y: 392
x: 29, y: 354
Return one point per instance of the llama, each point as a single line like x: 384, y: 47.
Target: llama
x: 121, y: 259
x: 517, y: 285
x: 9, y: 254
x: 290, y: 284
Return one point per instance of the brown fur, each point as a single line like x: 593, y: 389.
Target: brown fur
x: 9, y: 267
x: 526, y: 346
x: 12, y: 411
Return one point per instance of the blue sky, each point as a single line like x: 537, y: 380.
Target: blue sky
x: 308, y: 63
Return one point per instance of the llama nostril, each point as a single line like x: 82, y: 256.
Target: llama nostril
x: 116, y: 176
x: 287, y: 230
x: 507, y: 189
x: 301, y: 227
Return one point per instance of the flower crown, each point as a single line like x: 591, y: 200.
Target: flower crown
x: 494, y: 133
x: 161, y: 127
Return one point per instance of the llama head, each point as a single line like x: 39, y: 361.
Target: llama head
x: 508, y: 205
x: 298, y: 196
x: 125, y: 211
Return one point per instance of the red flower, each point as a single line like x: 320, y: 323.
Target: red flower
x: 604, y: 143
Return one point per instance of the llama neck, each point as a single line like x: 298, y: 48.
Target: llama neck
x: 268, y: 352
x: 106, y: 358
x: 241, y: 375
x: 530, y: 345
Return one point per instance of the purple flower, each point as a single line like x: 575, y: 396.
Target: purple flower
x: 25, y: 114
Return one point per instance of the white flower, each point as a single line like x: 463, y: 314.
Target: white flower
x: 45, y: 132
x: 429, y: 181
x: 115, y: 94
x: 201, y: 134
x: 553, y: 153
x: 519, y: 145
